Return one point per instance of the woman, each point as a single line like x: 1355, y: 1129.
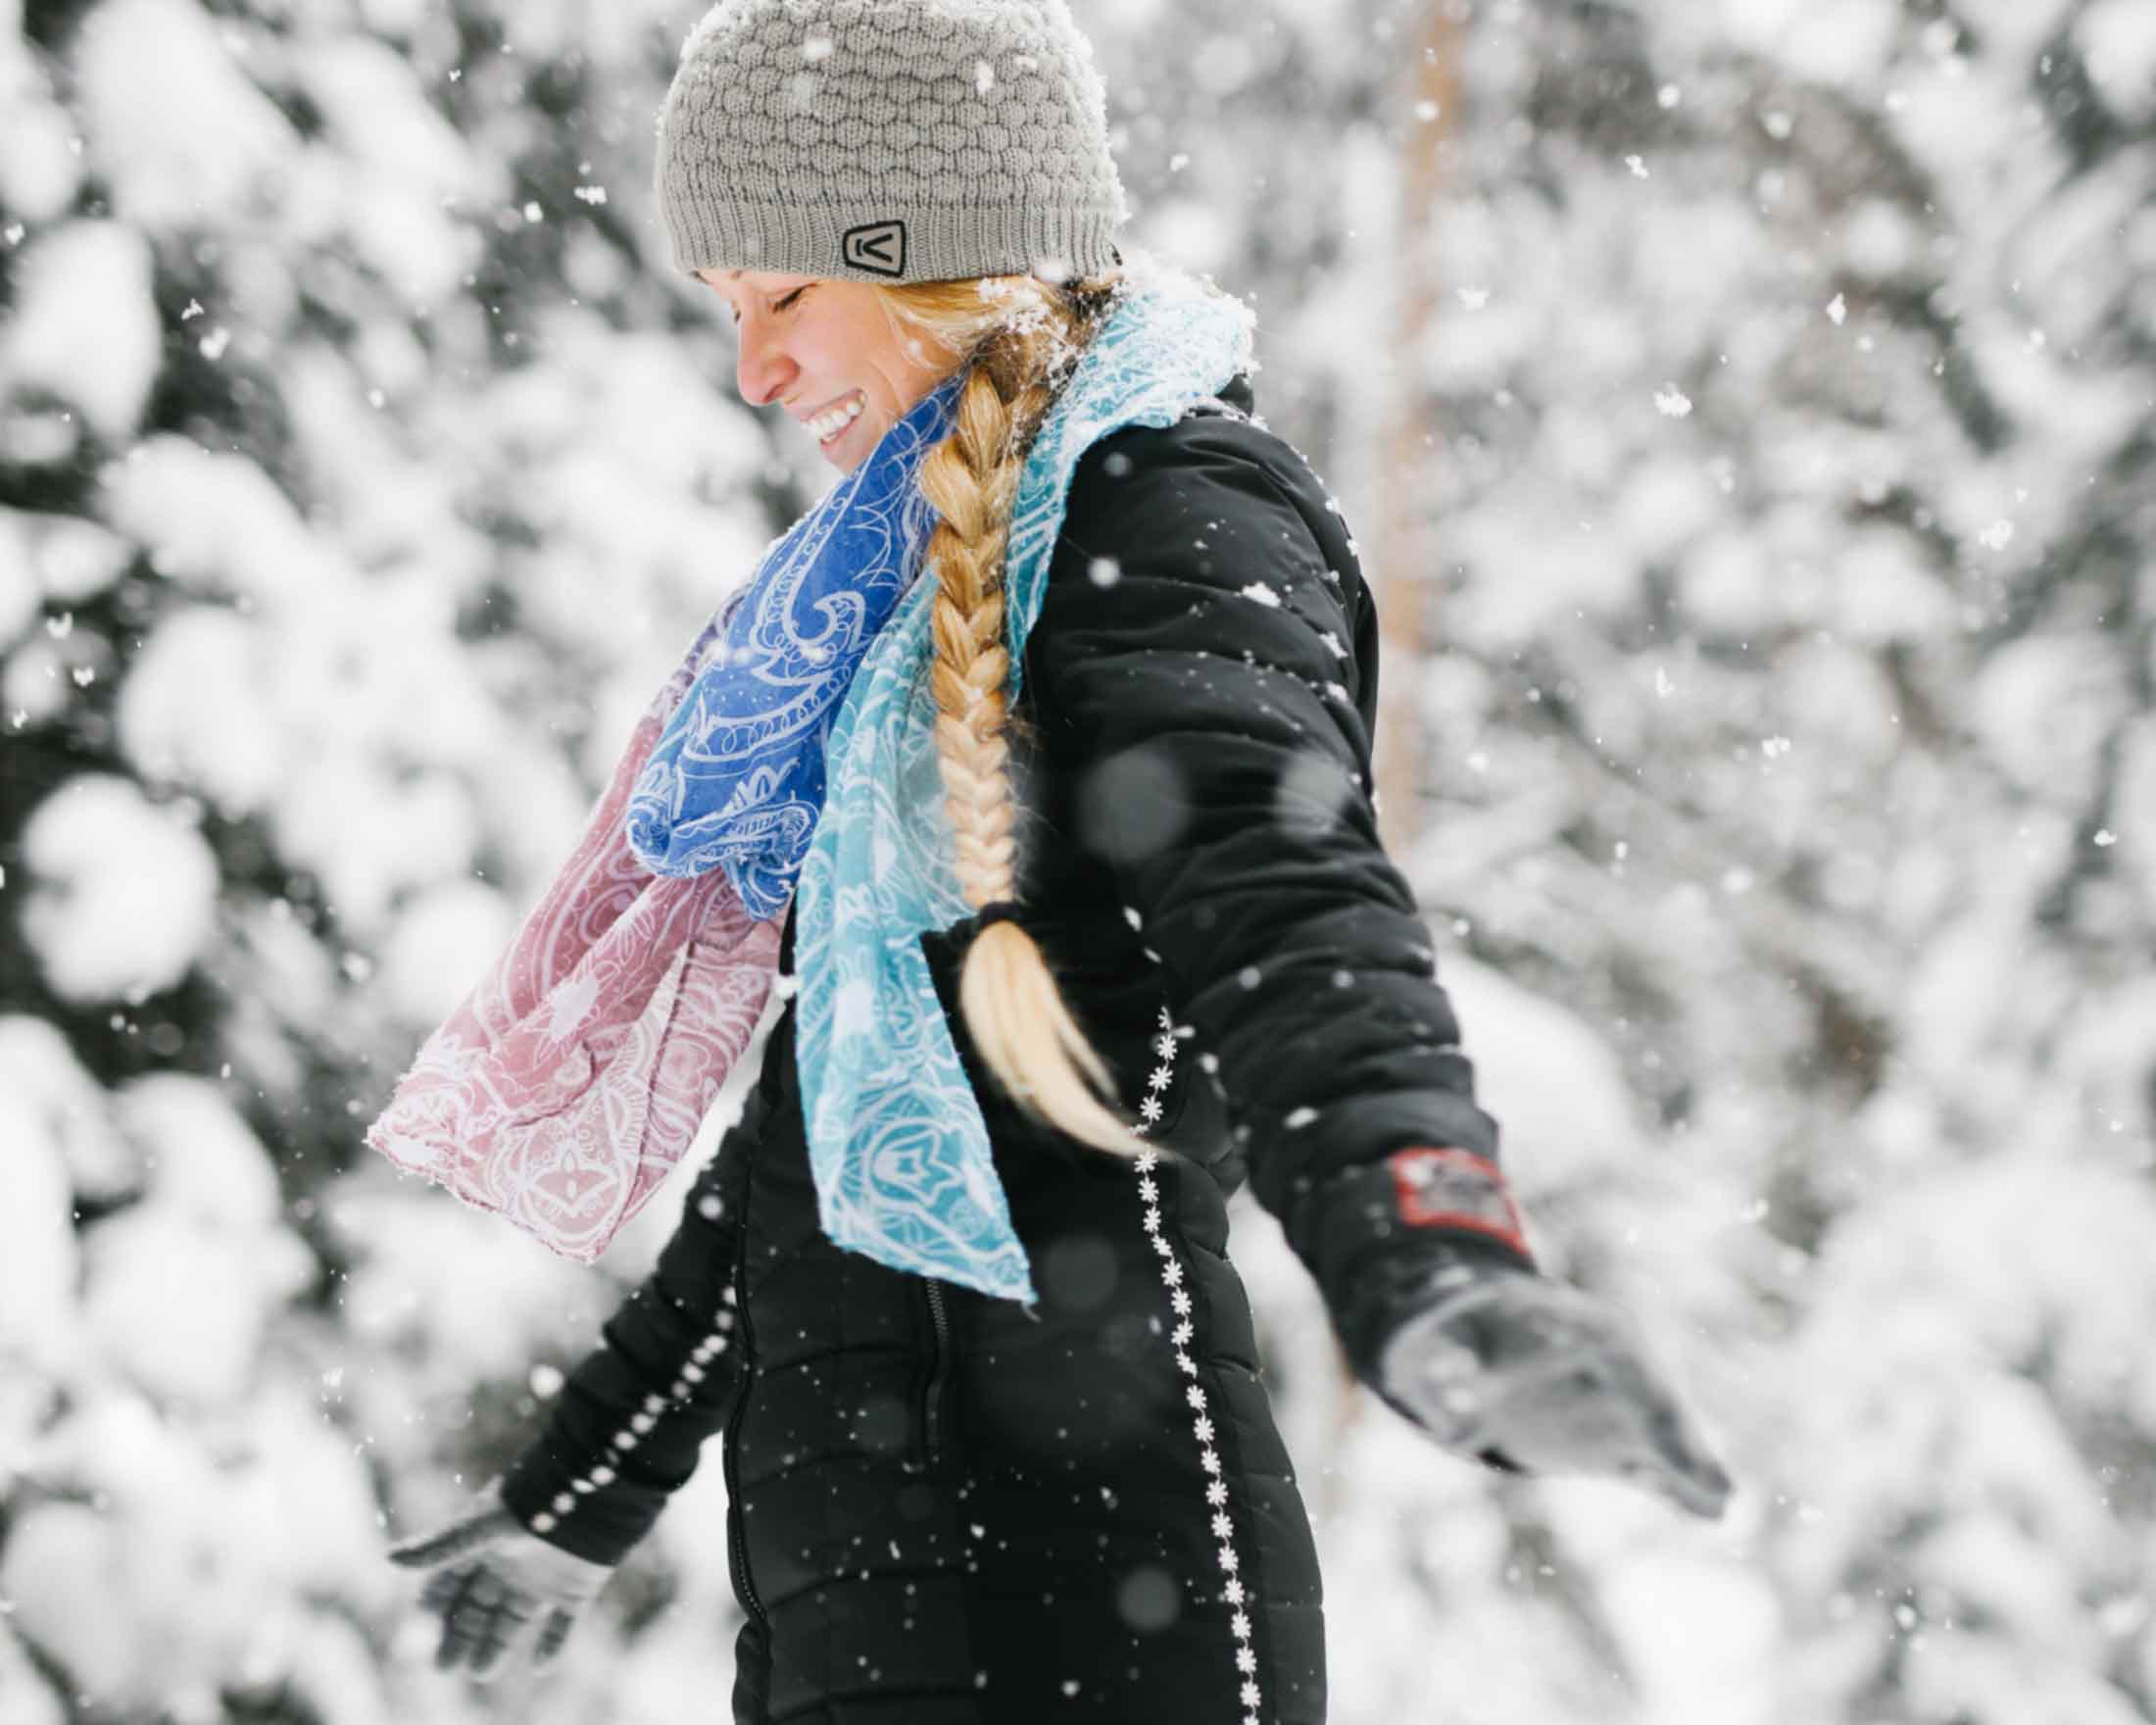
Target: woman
x: 1080, y: 816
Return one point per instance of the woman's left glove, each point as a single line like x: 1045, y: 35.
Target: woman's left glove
x: 492, y: 1579
x: 1532, y: 1375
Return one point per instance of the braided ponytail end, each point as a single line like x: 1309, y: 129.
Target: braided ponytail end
x: 1022, y: 1028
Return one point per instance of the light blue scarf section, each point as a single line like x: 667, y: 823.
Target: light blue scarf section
x: 897, y: 1146
x: 807, y: 749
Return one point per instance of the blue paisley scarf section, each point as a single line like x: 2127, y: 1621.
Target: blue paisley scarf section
x: 897, y: 1146
x: 736, y: 780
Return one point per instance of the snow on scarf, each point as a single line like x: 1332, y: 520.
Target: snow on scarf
x: 801, y: 753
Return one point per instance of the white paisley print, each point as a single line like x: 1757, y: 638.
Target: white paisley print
x: 571, y: 1079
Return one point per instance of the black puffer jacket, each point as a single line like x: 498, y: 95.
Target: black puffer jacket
x: 945, y: 1511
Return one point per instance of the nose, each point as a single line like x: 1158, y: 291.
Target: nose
x: 761, y: 366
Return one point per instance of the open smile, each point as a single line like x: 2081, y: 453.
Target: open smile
x: 828, y: 426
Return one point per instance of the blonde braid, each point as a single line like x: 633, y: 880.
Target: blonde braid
x: 1014, y: 1011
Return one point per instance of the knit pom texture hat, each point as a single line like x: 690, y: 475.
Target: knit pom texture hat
x: 888, y: 140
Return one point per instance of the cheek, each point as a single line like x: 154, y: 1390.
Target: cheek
x: 875, y: 357
x: 836, y: 351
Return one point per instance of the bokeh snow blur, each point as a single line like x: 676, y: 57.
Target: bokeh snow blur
x: 1747, y: 409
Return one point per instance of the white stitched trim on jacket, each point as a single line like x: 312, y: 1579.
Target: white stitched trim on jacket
x: 1201, y: 1426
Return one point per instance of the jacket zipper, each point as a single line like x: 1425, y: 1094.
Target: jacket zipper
x: 939, y: 1368
x: 737, y: 1543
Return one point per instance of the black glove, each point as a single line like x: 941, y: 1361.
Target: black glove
x: 1436, y: 1295
x: 492, y: 1582
x: 1535, y: 1376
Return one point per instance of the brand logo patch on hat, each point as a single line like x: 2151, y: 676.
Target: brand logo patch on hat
x: 878, y: 247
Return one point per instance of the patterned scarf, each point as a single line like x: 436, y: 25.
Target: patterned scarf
x: 794, y: 745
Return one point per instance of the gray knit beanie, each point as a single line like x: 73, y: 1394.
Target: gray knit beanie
x: 888, y: 140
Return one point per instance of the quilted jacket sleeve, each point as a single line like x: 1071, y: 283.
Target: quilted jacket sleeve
x: 1210, y: 678
x: 627, y: 1427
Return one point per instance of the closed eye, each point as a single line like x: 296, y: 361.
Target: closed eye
x: 782, y: 304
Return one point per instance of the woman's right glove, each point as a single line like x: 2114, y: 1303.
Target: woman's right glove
x: 493, y: 1581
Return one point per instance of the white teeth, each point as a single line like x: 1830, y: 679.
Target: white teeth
x: 830, y: 423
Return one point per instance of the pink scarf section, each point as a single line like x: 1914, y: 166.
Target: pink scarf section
x: 574, y: 1076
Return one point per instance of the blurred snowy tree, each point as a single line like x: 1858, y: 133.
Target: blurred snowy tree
x: 1791, y: 718
x: 340, y: 388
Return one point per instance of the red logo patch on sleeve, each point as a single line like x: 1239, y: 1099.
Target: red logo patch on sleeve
x: 1456, y: 1189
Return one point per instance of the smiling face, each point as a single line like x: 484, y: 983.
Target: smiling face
x: 826, y: 350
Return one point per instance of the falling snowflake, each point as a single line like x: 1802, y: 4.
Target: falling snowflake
x: 1673, y: 401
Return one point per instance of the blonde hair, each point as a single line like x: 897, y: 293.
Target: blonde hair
x: 1015, y: 338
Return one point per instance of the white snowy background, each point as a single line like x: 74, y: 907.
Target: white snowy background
x: 1784, y: 508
